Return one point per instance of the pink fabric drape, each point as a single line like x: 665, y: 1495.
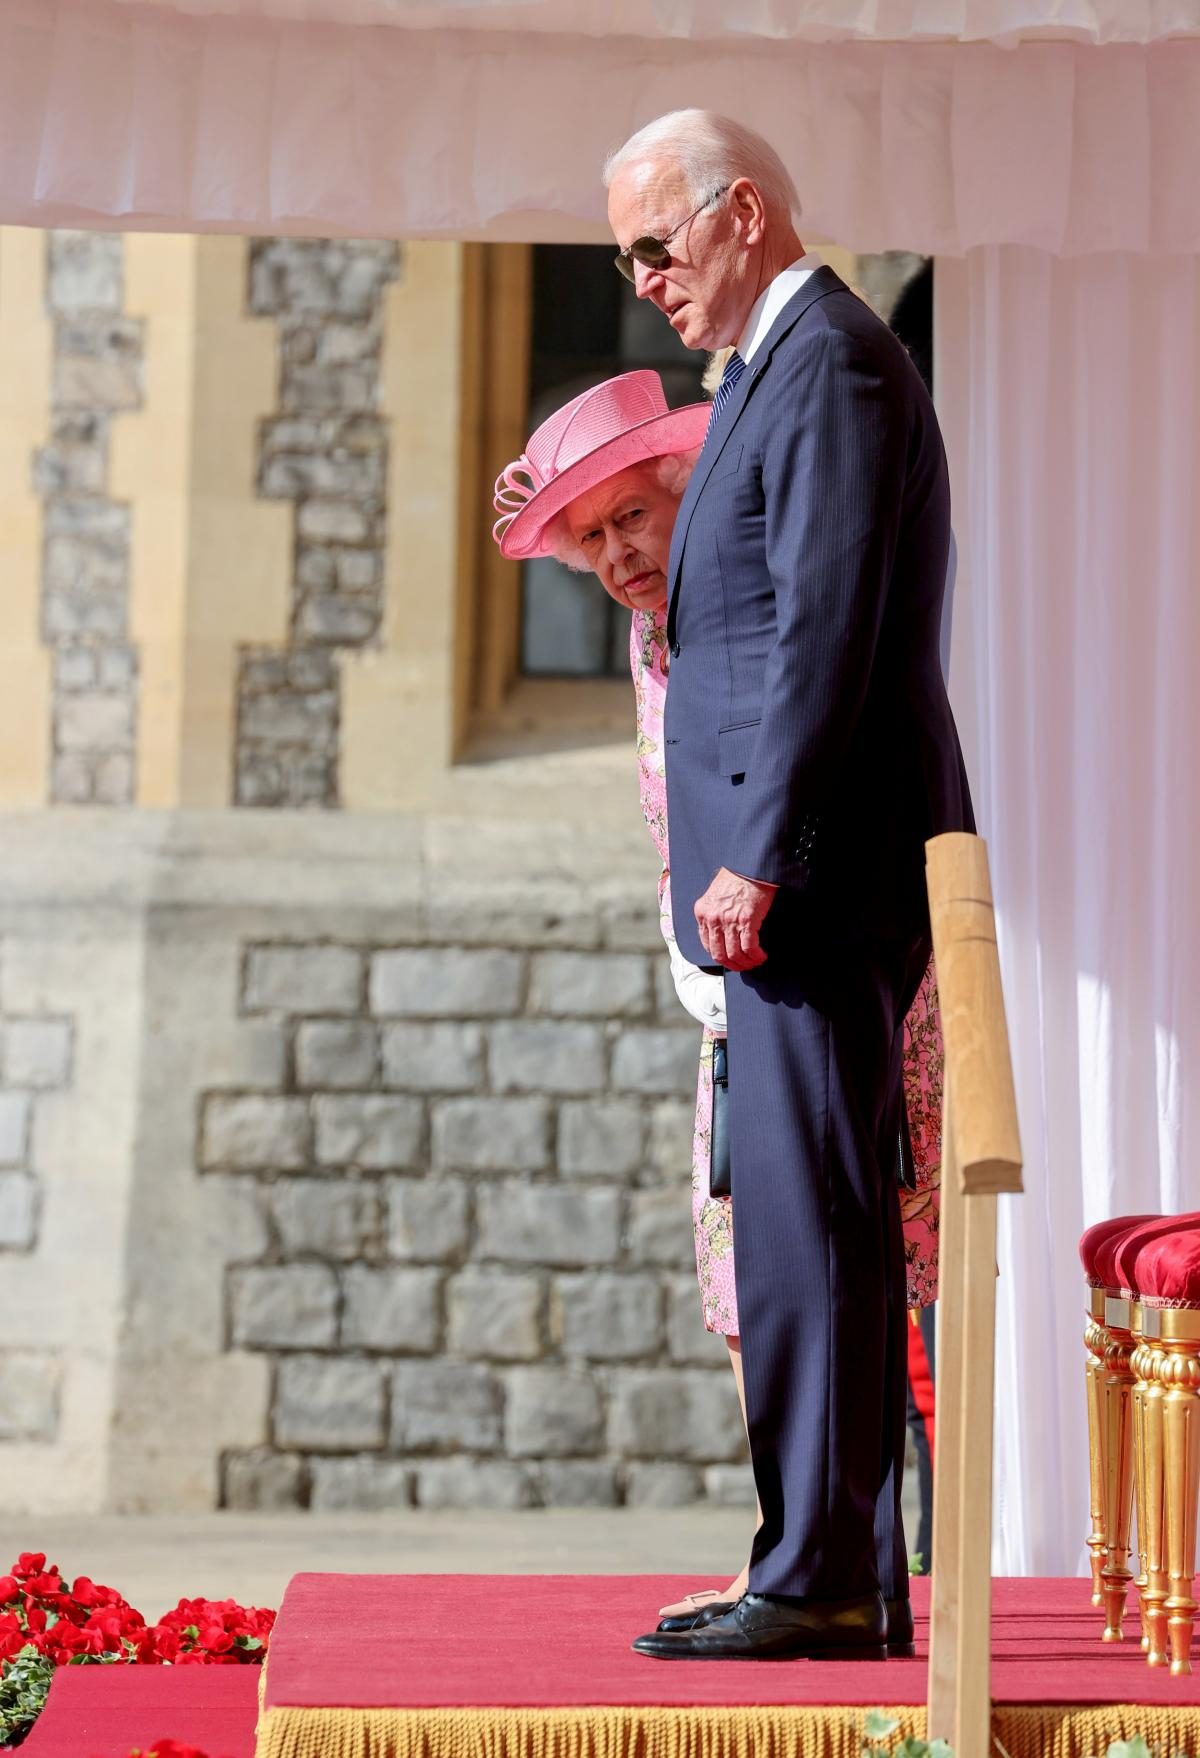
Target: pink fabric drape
x: 1073, y: 415
x: 271, y: 116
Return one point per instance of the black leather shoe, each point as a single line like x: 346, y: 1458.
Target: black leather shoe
x: 703, y: 1614
x: 760, y: 1628
x: 900, y: 1631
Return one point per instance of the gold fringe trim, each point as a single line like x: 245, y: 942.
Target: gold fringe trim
x: 1042, y: 1731
x: 570, y: 1733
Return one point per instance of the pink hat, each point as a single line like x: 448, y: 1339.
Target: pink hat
x: 593, y: 437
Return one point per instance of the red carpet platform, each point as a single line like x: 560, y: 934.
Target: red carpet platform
x: 105, y: 1711
x: 470, y: 1666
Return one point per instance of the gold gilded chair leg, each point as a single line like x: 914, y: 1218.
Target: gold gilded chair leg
x: 1148, y: 1481
x: 1116, y: 1412
x: 1138, y: 1404
x: 1180, y: 1377
x: 1095, y: 1339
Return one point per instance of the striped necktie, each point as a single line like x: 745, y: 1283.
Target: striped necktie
x: 735, y: 366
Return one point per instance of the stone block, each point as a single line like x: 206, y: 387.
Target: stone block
x: 18, y: 1211
x: 15, y: 1112
x: 118, y: 668
x: 438, y: 1057
x: 546, y: 1056
x: 600, y: 1137
x: 491, y: 1135
x: 84, y: 271
x: 254, y: 1131
x: 428, y: 1219
x: 302, y: 979
x: 262, y: 1481
x: 379, y: 1134
x: 92, y: 604
x: 474, y: 1483
x: 445, y: 1407
x: 330, y: 1404
x: 577, y: 1483
x: 599, y: 985
x: 331, y: 521
x: 93, y: 722
x: 30, y: 1389
x: 293, y: 717
x: 730, y: 1486
x: 545, y: 1224
x: 632, y: 927
x: 101, y: 371
x: 236, y: 1213
x: 113, y: 777
x: 688, y: 1341
x: 395, y: 1310
x: 495, y: 1314
x: 36, y: 1052
x: 72, y: 780
x: 685, y: 1415
x: 659, y: 1060
x: 76, y: 460
x: 286, y: 1306
x: 337, y: 618
x: 552, y: 1411
x: 443, y: 981
x: 337, y: 1218
x: 660, y: 1227
x: 662, y: 1485
x: 359, y: 570
x: 336, y: 1053
x: 606, y: 1317
x: 672, y: 1124
x: 76, y: 668
x: 365, y: 1484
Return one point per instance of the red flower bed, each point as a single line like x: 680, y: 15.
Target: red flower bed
x: 88, y: 1622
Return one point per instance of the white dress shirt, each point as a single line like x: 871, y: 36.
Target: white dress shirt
x: 771, y: 301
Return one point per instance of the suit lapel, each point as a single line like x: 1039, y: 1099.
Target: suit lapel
x: 820, y: 283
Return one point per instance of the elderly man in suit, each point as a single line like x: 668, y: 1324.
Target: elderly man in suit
x: 810, y: 753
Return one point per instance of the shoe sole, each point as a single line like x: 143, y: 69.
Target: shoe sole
x: 861, y: 1653
x: 902, y: 1651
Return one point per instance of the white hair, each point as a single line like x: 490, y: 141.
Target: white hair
x: 671, y: 473
x: 712, y: 151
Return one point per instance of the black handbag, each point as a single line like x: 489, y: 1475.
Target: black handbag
x: 719, y: 1175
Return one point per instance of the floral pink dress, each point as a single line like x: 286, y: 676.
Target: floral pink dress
x: 712, y: 1218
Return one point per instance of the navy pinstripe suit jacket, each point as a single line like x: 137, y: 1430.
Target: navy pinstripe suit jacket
x: 809, y: 738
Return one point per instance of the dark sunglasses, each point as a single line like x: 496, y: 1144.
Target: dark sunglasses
x: 652, y: 253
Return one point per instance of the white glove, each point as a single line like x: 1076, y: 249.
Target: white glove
x: 701, y: 992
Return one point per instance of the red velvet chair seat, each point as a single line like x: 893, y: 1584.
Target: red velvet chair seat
x: 1098, y: 1244
x: 1158, y: 1262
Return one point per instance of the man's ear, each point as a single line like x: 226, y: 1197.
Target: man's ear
x: 749, y: 211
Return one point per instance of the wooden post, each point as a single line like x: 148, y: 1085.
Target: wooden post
x: 981, y: 1155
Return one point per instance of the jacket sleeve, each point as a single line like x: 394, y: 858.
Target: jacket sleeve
x: 833, y: 470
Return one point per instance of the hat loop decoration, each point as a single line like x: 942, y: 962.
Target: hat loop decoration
x: 511, y: 494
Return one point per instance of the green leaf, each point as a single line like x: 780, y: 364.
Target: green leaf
x: 878, y: 1726
x: 1134, y: 1748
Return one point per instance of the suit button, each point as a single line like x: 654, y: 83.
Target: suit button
x: 674, y: 650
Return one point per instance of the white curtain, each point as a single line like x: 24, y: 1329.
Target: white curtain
x: 310, y: 116
x: 1072, y: 393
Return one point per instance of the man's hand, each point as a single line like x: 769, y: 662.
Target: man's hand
x: 729, y: 916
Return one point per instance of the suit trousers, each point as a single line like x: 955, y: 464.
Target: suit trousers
x: 815, y: 1103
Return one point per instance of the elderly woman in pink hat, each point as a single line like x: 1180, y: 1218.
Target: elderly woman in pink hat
x: 598, y: 487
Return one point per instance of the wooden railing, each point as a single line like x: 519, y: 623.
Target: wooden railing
x: 981, y: 1156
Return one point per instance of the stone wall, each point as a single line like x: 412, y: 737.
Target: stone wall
x: 476, y: 1284
x: 97, y: 374
x: 326, y: 452
x: 35, y: 1068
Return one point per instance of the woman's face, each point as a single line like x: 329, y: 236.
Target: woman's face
x: 623, y: 530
